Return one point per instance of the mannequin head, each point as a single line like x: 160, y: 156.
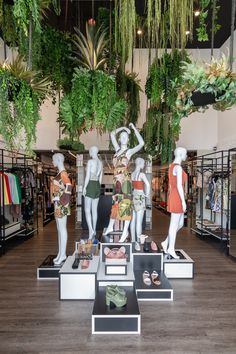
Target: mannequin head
x: 139, y: 163
x: 124, y: 138
x: 180, y: 153
x: 93, y: 152
x: 58, y: 160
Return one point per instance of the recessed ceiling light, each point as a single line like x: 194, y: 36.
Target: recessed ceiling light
x: 196, y: 13
x: 187, y: 32
x: 139, y: 32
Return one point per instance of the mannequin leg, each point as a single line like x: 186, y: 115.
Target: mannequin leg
x: 110, y: 227
x: 165, y: 243
x: 133, y: 227
x: 173, y: 229
x: 94, y: 215
x: 88, y: 210
x: 139, y: 222
x: 63, y: 239
x: 59, y: 242
x: 125, y: 231
x: 181, y: 222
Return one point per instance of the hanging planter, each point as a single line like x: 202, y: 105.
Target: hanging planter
x: 202, y: 99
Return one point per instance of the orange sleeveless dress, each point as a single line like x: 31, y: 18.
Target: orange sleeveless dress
x: 174, y: 204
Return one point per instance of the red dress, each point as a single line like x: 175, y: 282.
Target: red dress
x: 174, y: 200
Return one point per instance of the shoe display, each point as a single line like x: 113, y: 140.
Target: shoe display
x: 115, y: 253
x: 155, y: 278
x: 75, y: 264
x: 116, y: 288
x: 115, y: 297
x: 147, y: 246
x: 84, y: 264
x: 146, y: 278
x: 142, y: 238
x: 154, y: 246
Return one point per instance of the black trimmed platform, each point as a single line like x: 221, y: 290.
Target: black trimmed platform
x: 182, y: 268
x: 47, y: 269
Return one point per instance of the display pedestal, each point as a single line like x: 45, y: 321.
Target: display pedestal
x: 151, y: 261
x: 47, y: 270
x: 78, y: 284
x: 182, y: 268
x: 125, y: 320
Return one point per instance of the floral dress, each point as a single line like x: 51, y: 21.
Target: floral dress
x: 122, y: 189
x: 61, y: 191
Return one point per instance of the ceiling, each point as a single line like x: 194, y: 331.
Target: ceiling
x: 74, y: 13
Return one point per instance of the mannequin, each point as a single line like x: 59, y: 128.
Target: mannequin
x: 140, y: 186
x: 122, y: 198
x: 61, y: 192
x: 176, y: 200
x: 92, y: 190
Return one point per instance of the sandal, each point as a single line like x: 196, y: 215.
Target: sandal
x: 154, y: 246
x: 115, y: 253
x: 84, y: 264
x: 155, y: 278
x: 146, y: 278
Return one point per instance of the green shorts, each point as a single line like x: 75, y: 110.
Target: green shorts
x: 93, y: 189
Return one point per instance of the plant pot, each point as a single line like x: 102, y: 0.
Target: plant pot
x: 203, y: 99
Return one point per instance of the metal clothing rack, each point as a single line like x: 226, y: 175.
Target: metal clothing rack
x: 10, y: 160
x: 231, y: 222
x: 210, y: 222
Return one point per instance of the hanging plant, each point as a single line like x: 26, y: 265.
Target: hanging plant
x: 92, y: 103
x: 125, y: 28
x: 90, y: 49
x: 8, y: 25
x: 204, y: 5
x: 162, y: 126
x: 168, y: 21
x: 215, y: 78
x: 21, y: 93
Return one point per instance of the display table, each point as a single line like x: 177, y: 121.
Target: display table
x: 78, y: 284
x: 182, y: 268
x: 125, y: 320
x: 47, y: 270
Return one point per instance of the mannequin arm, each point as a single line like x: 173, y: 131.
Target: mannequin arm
x: 65, y: 198
x: 138, y: 147
x: 113, y: 137
x: 86, y: 181
x: 178, y: 172
x: 147, y: 185
x: 101, y: 174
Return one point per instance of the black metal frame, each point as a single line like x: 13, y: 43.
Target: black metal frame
x: 218, y: 162
x: 23, y: 161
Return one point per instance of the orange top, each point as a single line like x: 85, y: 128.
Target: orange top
x: 174, y: 200
x: 138, y: 185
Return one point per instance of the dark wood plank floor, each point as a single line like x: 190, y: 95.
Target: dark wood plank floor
x: 201, y: 319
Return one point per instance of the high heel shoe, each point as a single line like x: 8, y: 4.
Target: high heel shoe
x: 115, y: 297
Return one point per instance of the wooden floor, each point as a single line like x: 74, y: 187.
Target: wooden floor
x: 201, y: 319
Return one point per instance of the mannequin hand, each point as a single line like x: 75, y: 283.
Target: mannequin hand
x: 184, y: 206
x: 127, y: 130
x: 131, y: 125
x: 84, y: 192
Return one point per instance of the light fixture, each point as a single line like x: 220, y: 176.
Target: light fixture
x: 196, y: 13
x: 139, y: 32
x: 187, y: 32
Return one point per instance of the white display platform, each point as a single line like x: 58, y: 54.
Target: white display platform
x: 182, y: 268
x: 78, y: 284
x: 121, y: 280
x: 12, y: 228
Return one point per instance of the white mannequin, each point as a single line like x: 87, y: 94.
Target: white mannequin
x: 119, y: 149
x: 94, y: 172
x: 177, y: 219
x: 137, y: 218
x: 58, y: 161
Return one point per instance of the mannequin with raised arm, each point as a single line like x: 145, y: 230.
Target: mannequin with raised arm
x: 176, y: 200
x: 122, y: 193
x: 141, y: 191
x: 61, y: 193
x: 92, y: 190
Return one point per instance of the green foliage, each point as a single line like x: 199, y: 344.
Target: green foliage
x: 19, y: 111
x: 202, y: 34
x: 23, y: 10
x: 162, y: 126
x: 90, y: 48
x: 92, y: 103
x: 128, y: 87
x: 125, y: 28
x: 215, y: 78
x: 8, y: 25
x: 68, y: 144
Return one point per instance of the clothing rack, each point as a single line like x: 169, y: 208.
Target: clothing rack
x: 25, y: 223
x: 205, y: 219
